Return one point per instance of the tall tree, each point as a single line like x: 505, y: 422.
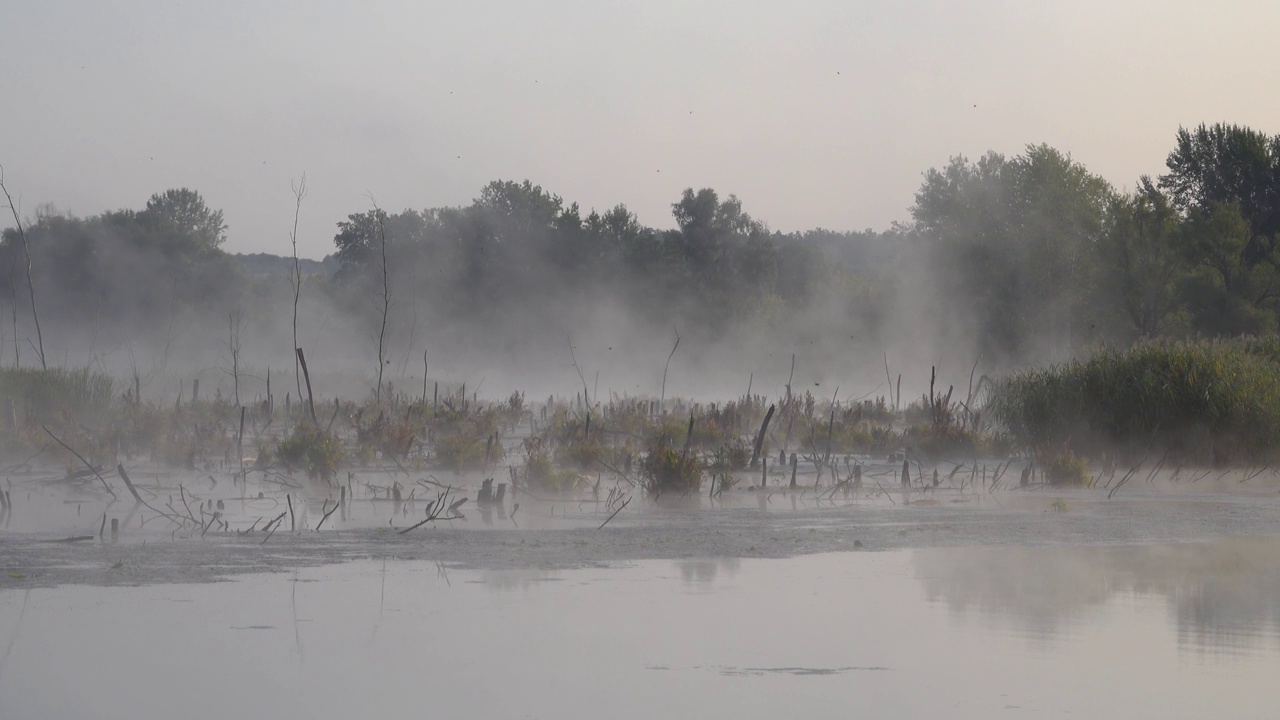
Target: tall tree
x: 1017, y: 238
x: 183, y: 211
x: 1229, y: 164
x: 1141, y: 263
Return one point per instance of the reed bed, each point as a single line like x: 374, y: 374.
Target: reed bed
x: 1209, y: 401
x: 46, y: 393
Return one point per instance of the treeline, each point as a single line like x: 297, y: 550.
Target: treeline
x: 118, y: 274
x: 519, y: 250
x: 1025, y: 258
x: 1034, y: 257
x: 1039, y: 252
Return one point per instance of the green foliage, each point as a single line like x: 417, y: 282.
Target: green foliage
x: 391, y: 435
x: 1224, y: 164
x: 1201, y: 400
x: 44, y: 394
x: 466, y: 436
x: 1141, y: 260
x: 730, y: 457
x: 665, y: 470
x: 541, y: 473
x: 1017, y: 239
x: 317, y: 452
x: 1065, y: 468
x: 134, y: 272
x: 182, y: 213
x: 466, y: 451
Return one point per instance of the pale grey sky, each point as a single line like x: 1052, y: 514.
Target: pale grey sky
x: 813, y: 113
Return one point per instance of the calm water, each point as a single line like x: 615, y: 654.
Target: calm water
x: 1162, y: 631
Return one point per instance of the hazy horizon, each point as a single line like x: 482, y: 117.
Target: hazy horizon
x: 818, y: 115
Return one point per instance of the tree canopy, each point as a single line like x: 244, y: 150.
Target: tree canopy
x: 1029, y: 257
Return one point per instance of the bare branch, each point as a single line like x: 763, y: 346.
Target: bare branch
x: 26, y: 250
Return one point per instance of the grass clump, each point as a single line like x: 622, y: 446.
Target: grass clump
x: 317, y: 452
x: 541, y: 472
x: 667, y: 470
x: 1213, y: 401
x: 47, y: 393
x: 1065, y: 468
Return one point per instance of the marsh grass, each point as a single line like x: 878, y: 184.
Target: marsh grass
x: 45, y: 394
x: 666, y: 470
x: 312, y: 449
x: 1216, y: 402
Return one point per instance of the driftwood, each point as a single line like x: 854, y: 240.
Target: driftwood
x: 327, y: 514
x: 129, y: 484
x: 81, y: 458
x: 615, y: 512
x: 435, y: 509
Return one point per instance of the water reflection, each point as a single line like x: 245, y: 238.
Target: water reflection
x: 1221, y: 596
x: 516, y: 578
x: 704, y: 570
x: 835, y: 635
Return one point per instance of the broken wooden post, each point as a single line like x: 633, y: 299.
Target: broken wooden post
x: 311, y: 401
x: 759, y: 444
x: 128, y: 484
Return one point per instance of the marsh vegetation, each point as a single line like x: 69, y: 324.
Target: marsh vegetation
x: 1080, y: 330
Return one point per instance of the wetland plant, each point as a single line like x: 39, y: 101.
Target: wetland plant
x: 1208, y: 401
x: 666, y: 470
x: 317, y: 451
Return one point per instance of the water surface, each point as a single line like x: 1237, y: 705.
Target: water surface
x: 1183, y: 630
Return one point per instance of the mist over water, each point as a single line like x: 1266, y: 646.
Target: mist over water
x: 849, y: 632
x: 582, y: 361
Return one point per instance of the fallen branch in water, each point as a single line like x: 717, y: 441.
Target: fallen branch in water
x: 435, y: 509
x: 886, y: 492
x: 1125, y: 479
x: 270, y: 528
x: 615, y: 512
x: 81, y: 457
x: 326, y: 515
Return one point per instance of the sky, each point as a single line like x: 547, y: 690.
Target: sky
x: 815, y: 114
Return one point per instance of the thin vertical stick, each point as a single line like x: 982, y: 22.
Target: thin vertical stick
x: 662, y: 404
x: 26, y: 250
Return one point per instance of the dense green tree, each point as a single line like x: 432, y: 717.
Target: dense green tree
x: 1228, y: 164
x: 1140, y: 265
x: 1228, y: 290
x: 182, y: 214
x: 1017, y: 238
x: 358, y: 239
